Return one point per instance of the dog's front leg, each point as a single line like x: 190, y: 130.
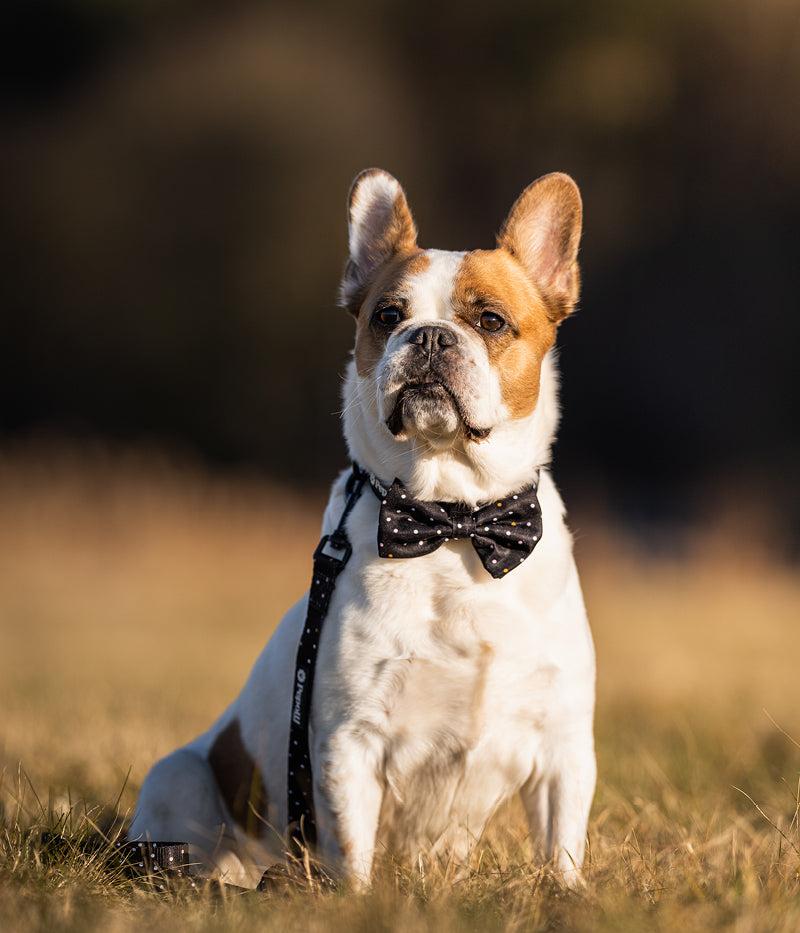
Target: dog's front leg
x: 349, y: 793
x: 557, y: 805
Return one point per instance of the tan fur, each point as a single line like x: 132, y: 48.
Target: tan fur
x: 400, y: 235
x: 387, y: 286
x: 542, y: 231
x: 238, y: 778
x: 495, y: 281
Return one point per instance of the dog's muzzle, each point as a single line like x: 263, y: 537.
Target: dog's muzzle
x: 429, y: 370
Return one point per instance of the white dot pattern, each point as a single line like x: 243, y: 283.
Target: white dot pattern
x: 155, y: 859
x: 503, y: 533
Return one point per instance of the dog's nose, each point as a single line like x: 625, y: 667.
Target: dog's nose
x: 432, y: 337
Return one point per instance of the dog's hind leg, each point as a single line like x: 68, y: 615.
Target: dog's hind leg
x: 180, y: 802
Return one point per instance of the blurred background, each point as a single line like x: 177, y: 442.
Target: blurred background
x: 173, y: 178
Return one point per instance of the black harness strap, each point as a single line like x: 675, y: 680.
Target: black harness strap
x: 330, y: 557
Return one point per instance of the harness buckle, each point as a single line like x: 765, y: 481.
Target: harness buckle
x: 335, y: 542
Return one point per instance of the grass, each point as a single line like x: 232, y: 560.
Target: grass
x: 134, y: 595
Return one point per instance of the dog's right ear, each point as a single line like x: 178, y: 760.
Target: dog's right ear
x: 380, y: 227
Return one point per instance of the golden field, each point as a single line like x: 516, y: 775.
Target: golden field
x: 135, y: 594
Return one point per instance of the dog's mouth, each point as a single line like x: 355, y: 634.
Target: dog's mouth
x: 430, y: 403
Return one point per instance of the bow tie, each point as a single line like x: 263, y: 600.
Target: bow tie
x: 503, y: 533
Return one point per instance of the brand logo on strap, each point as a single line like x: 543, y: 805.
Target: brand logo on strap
x: 298, y: 695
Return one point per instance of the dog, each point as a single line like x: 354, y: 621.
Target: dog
x: 448, y: 681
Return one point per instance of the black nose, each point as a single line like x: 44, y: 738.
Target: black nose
x: 432, y: 337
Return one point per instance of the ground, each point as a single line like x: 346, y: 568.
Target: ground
x: 135, y: 594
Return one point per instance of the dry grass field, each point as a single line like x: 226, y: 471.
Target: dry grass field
x: 134, y: 595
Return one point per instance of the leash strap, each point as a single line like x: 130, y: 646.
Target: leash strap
x: 330, y: 557
x: 153, y: 858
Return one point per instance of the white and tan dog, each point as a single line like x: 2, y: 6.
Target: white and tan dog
x: 440, y: 691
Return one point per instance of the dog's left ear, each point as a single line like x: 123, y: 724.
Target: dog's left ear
x: 543, y: 231
x: 380, y: 227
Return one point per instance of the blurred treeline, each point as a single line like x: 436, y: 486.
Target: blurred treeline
x: 173, y: 177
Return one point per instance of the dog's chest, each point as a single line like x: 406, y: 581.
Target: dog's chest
x: 443, y: 678
x: 433, y: 710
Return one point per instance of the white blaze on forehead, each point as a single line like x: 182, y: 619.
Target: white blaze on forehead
x: 430, y: 291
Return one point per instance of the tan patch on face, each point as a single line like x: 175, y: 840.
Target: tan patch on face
x: 388, y: 288
x: 239, y: 779
x: 492, y: 280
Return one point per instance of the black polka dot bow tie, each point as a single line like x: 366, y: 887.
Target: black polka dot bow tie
x: 503, y: 533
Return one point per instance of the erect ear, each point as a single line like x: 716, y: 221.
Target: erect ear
x: 543, y: 231
x: 380, y: 227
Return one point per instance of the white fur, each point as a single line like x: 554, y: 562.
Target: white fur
x: 440, y: 692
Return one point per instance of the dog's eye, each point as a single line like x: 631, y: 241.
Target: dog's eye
x: 389, y: 316
x: 490, y: 321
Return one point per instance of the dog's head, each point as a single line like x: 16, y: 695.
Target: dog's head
x: 451, y: 356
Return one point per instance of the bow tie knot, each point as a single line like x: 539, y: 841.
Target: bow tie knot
x: 504, y: 532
